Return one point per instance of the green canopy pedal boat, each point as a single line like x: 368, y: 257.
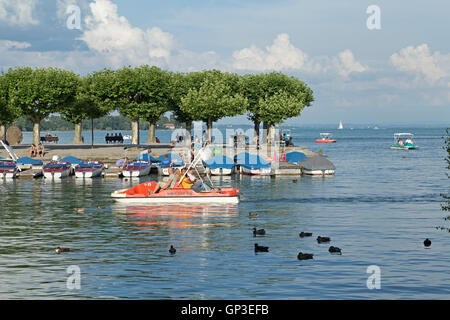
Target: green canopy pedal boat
x: 404, y: 141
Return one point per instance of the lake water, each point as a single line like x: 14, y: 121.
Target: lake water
x: 379, y: 208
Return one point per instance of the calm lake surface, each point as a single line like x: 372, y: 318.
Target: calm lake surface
x: 379, y: 207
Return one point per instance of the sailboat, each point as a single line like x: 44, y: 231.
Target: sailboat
x: 340, y: 125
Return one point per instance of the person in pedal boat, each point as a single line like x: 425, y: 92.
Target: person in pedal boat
x: 198, y: 185
x: 171, y: 183
x: 186, y: 182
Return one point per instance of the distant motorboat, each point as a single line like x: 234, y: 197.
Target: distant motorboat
x: 340, y: 125
x: 127, y: 137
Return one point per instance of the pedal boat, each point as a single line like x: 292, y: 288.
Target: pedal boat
x: 89, y: 169
x: 405, y: 146
x: 140, y: 194
x: 326, y: 138
x: 8, y: 170
x: 57, y: 170
x: 137, y: 169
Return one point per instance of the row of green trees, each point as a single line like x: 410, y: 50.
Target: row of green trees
x: 146, y: 93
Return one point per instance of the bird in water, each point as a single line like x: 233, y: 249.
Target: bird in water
x: 335, y: 250
x: 253, y: 215
x: 295, y: 181
x: 323, y: 239
x: 60, y: 250
x: 79, y: 210
x: 100, y: 207
x: 427, y: 242
x: 304, y: 256
x: 305, y: 234
x: 172, y: 250
x: 259, y: 232
x: 261, y: 248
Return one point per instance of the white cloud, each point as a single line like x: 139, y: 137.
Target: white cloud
x: 418, y: 60
x: 346, y: 64
x: 18, y: 13
x: 284, y: 56
x: 281, y: 55
x: 108, y: 33
x: 7, y: 45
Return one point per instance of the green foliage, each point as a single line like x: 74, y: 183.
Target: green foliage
x: 143, y: 92
x: 263, y: 91
x: 85, y: 105
x: 40, y: 92
x: 8, y: 112
x: 213, y: 98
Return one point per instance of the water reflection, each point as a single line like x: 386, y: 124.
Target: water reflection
x: 178, y: 216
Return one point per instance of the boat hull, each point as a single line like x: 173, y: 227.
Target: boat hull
x: 137, y: 172
x: 142, y: 194
x: 396, y: 147
x: 88, y: 173
x: 165, y: 170
x: 325, y: 141
x: 220, y: 171
x: 8, y: 174
x: 318, y: 172
x: 259, y: 172
x: 166, y: 200
x: 57, y: 174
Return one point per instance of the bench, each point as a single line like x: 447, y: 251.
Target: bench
x: 50, y: 139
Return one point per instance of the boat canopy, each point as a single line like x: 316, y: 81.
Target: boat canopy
x: 295, y: 157
x: 146, y: 157
x: 29, y: 161
x: 71, y: 160
x: 172, y: 157
x: 317, y: 163
x: 403, y: 134
x: 220, y: 162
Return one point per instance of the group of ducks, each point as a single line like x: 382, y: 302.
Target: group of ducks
x: 301, y: 255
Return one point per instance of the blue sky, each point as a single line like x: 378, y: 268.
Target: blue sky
x: 399, y: 73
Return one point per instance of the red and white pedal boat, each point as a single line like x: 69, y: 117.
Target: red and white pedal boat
x: 57, y: 169
x: 141, y: 195
x: 8, y: 170
x: 89, y: 169
x: 137, y: 169
x: 326, y: 138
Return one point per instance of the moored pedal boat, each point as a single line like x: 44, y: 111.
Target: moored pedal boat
x: 219, y: 166
x: 89, y: 169
x: 57, y: 170
x: 141, y: 194
x: 136, y: 169
x: 8, y: 170
x: 253, y: 164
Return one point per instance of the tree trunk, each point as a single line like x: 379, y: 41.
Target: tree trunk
x: 209, y: 130
x: 2, y: 132
x: 265, y: 136
x: 152, y: 132
x: 271, y: 134
x: 188, y: 133
x: 77, y: 135
x: 135, y: 131
x: 256, y: 130
x: 36, y: 131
